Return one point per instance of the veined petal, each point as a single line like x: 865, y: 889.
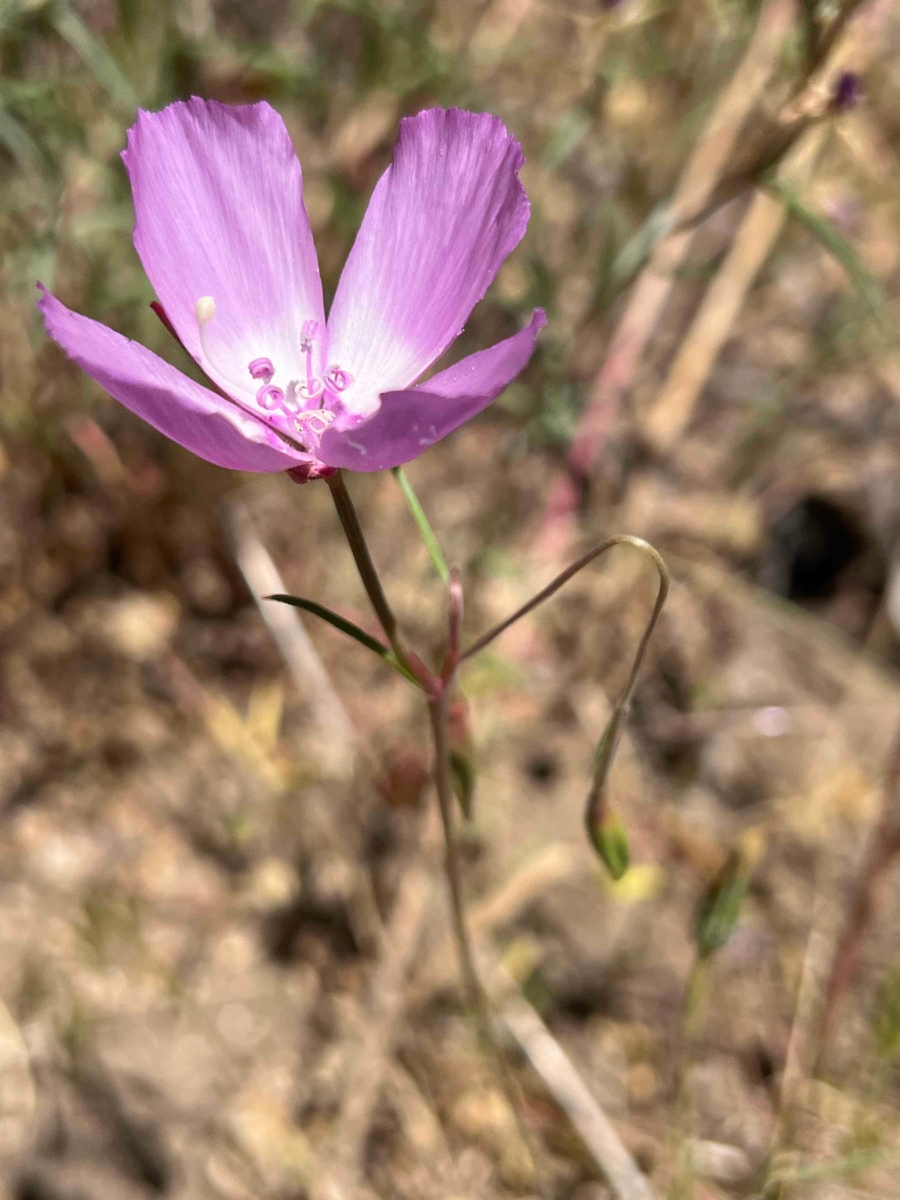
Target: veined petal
x: 409, y: 422
x: 191, y: 415
x: 218, y: 197
x: 441, y: 220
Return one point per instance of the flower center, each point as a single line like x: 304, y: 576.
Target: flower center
x: 300, y: 404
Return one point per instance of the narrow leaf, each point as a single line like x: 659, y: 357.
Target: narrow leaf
x: 835, y: 243
x: 345, y: 626
x: 418, y: 514
x: 96, y: 57
x: 21, y: 145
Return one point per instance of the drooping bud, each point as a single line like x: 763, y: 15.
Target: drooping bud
x: 205, y: 310
x: 610, y: 839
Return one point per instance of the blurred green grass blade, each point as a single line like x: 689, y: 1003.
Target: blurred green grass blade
x: 345, y: 626
x: 22, y: 147
x: 95, y: 56
x: 418, y: 513
x: 867, y: 287
x: 638, y: 248
x: 570, y: 132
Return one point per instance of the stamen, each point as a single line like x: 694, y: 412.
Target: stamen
x: 337, y: 379
x: 312, y: 389
x: 262, y: 368
x: 204, y: 310
x: 316, y: 422
x: 270, y: 397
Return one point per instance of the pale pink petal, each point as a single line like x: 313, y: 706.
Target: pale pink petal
x: 212, y: 427
x: 409, y: 422
x: 441, y: 220
x: 218, y: 197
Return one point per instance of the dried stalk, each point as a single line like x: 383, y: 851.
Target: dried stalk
x: 698, y: 181
x: 674, y: 405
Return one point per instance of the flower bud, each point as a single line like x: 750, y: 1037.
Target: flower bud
x: 720, y: 907
x: 610, y: 839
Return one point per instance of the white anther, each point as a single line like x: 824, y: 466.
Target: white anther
x: 205, y: 310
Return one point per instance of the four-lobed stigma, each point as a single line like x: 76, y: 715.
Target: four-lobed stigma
x: 302, y: 400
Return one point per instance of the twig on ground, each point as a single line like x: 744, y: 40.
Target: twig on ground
x: 651, y: 291
x: 570, y: 1092
x: 337, y: 736
x: 401, y: 938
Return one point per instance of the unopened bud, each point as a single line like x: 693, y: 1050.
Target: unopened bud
x: 720, y: 907
x: 205, y: 309
x: 610, y: 839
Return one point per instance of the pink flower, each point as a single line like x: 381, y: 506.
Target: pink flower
x: 223, y: 235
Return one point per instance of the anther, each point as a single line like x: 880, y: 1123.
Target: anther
x: 270, y: 397
x: 262, y: 368
x: 205, y: 310
x: 337, y: 379
x: 312, y: 389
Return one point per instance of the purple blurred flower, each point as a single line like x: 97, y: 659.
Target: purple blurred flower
x: 848, y: 91
x: 223, y: 235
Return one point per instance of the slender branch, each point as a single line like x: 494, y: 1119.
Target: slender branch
x: 619, y: 539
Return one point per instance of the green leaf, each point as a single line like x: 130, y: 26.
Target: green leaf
x: 418, y: 514
x: 354, y: 631
x: 95, y: 56
x: 867, y: 287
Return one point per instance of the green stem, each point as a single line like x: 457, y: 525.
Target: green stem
x: 369, y: 576
x: 476, y: 996
x: 363, y: 559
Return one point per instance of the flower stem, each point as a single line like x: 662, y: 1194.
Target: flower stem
x: 476, y: 997
x: 369, y: 576
x: 363, y: 559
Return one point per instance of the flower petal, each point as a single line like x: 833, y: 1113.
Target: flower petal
x: 207, y: 424
x: 409, y: 422
x: 441, y: 220
x: 218, y: 197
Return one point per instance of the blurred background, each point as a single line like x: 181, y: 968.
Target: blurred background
x: 226, y: 968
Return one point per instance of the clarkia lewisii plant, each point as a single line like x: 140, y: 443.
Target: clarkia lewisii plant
x: 223, y: 234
